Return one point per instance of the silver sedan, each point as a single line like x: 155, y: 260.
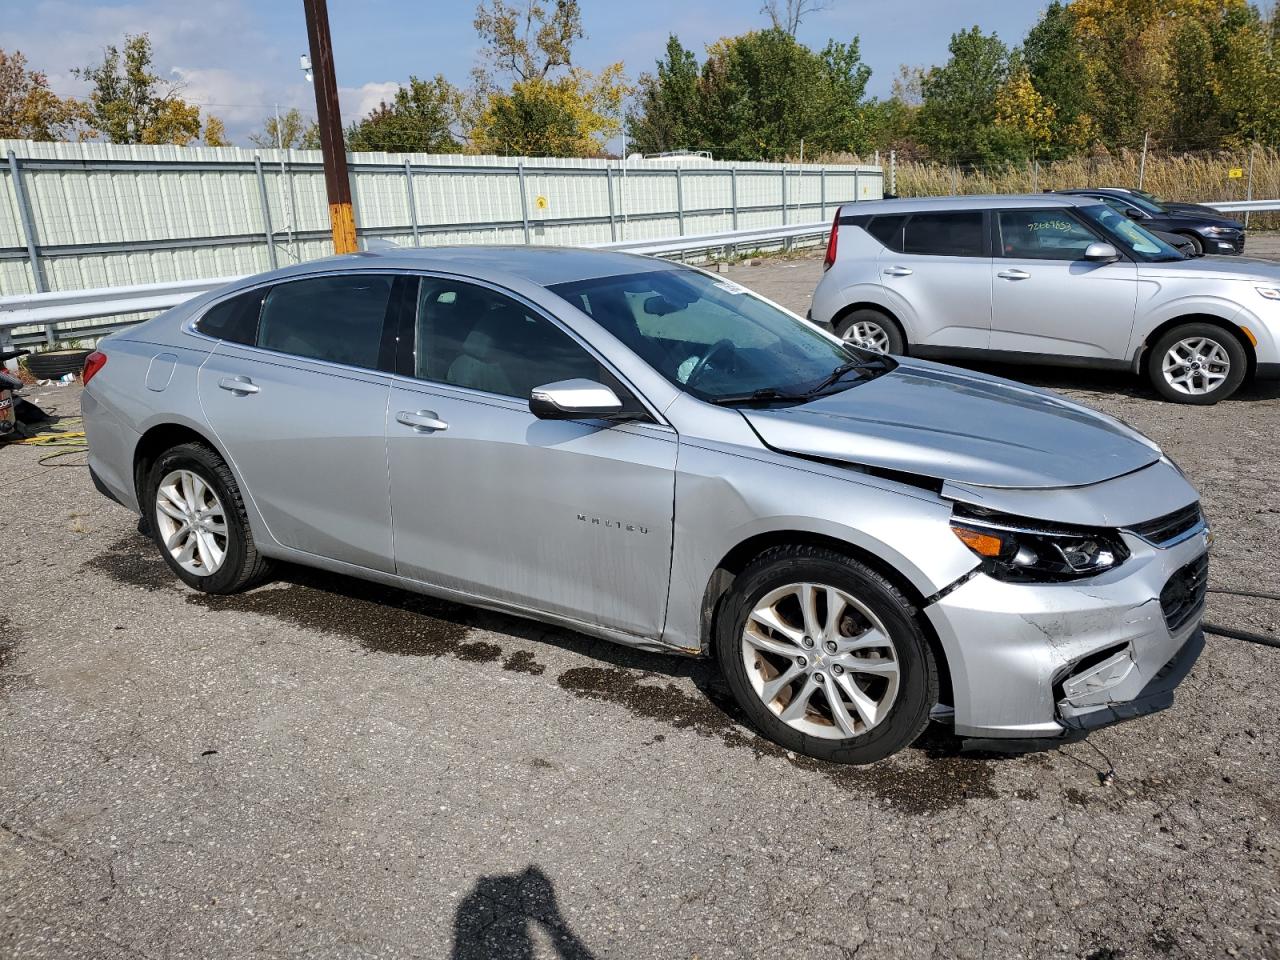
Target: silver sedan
x: 643, y: 452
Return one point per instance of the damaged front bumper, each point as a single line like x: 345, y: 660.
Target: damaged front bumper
x: 1050, y: 661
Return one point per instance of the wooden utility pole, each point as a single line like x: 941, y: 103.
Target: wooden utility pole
x: 336, y: 182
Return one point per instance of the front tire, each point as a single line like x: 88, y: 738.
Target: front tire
x: 1197, y: 245
x: 197, y: 519
x: 1197, y: 363
x: 870, y: 330
x: 824, y: 656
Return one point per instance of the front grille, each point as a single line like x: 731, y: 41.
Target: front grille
x: 1183, y: 596
x: 1164, y: 529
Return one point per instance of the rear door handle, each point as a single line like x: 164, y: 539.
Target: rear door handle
x: 897, y: 271
x: 240, y: 385
x: 1014, y: 274
x: 424, y: 420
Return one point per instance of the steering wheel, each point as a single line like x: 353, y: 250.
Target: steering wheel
x: 719, y: 346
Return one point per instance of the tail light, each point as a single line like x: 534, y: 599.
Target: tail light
x: 831, y: 243
x: 92, y: 364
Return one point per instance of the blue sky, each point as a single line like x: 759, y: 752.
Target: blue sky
x: 237, y: 58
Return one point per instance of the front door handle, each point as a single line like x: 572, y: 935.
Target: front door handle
x: 238, y: 385
x: 1014, y: 274
x: 424, y: 420
x: 897, y: 271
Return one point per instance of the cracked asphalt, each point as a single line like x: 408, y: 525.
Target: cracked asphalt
x: 326, y: 768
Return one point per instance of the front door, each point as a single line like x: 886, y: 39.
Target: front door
x: 301, y: 411
x: 568, y: 517
x: 1047, y: 299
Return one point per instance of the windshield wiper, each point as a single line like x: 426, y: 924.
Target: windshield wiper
x: 836, y: 375
x: 767, y: 395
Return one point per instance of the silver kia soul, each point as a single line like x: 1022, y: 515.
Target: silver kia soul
x: 1048, y: 279
x: 643, y: 452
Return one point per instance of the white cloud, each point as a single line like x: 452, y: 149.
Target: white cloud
x: 357, y: 102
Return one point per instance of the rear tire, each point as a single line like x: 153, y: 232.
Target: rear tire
x: 1197, y: 363
x: 871, y: 330
x: 860, y: 644
x: 197, y: 518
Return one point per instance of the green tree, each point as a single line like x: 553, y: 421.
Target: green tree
x: 419, y: 119
x: 1056, y: 66
x: 666, y: 112
x: 293, y: 130
x: 129, y: 103
x: 29, y: 110
x: 757, y: 96
x: 957, y: 121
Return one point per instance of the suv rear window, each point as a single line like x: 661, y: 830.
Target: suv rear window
x: 958, y: 234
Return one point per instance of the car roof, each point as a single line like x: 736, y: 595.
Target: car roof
x: 980, y: 202
x: 1108, y: 191
x: 542, y: 265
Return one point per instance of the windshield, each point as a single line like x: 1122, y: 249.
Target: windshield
x: 1128, y: 236
x: 716, y: 340
x: 1147, y: 201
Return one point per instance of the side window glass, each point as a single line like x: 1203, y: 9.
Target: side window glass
x: 470, y: 336
x: 338, y: 319
x: 1043, y: 235
x: 888, y: 230
x: 956, y: 234
x: 235, y: 319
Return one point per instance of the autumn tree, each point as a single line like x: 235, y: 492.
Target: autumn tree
x: 419, y: 119
x: 29, y: 110
x: 1056, y: 64
x: 129, y: 103
x: 787, y: 15
x: 290, y: 130
x: 528, y: 95
x: 1022, y: 116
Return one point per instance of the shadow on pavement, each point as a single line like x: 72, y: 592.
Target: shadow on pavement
x: 497, y: 919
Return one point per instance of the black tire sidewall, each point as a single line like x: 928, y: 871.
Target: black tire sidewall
x: 1196, y: 243
x: 917, y: 689
x: 897, y: 344
x: 209, y: 467
x: 1230, y: 343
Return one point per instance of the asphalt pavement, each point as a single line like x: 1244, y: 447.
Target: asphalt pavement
x: 326, y: 768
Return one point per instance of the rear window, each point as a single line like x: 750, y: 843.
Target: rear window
x: 235, y: 319
x: 958, y: 234
x: 888, y: 230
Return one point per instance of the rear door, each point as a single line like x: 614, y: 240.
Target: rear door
x: 301, y: 411
x: 1047, y: 299
x: 939, y: 263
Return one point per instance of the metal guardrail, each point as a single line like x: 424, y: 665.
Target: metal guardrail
x: 1245, y: 206
x: 50, y: 309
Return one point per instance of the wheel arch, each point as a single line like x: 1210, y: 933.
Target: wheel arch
x: 155, y: 441
x: 736, y: 560
x: 1215, y: 320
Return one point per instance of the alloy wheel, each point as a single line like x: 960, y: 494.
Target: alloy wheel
x: 820, y: 661
x: 1196, y: 366
x: 868, y: 335
x: 191, y: 522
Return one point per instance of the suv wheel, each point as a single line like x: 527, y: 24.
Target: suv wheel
x: 870, y: 330
x: 1197, y: 363
x: 198, y: 521
x: 824, y: 656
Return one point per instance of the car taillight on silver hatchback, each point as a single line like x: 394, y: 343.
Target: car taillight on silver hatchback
x: 830, y: 258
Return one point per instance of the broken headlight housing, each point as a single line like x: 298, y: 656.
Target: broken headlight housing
x: 1024, y: 550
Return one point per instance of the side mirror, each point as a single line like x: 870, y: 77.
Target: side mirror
x: 1135, y: 214
x: 574, y: 400
x: 1101, y: 253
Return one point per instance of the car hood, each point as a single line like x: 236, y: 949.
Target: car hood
x: 1215, y: 268
x: 1200, y: 210
x: 946, y: 424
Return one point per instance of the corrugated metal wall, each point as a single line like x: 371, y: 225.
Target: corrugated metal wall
x: 107, y: 215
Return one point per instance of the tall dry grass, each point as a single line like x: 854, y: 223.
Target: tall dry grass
x: 1185, y: 177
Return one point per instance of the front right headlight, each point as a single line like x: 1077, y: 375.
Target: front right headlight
x: 1020, y: 549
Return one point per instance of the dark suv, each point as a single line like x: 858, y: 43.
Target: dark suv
x: 1208, y: 230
